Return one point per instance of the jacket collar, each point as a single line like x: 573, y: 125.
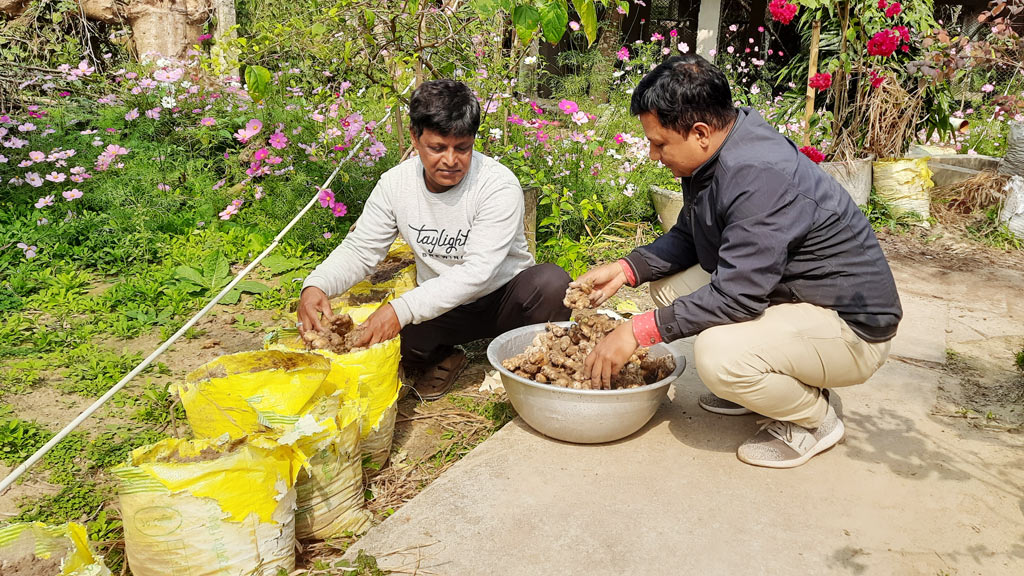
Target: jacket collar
x: 704, y: 173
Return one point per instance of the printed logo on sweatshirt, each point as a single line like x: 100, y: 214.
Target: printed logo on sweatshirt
x: 440, y: 244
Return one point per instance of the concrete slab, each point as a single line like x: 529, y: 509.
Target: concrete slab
x: 922, y: 332
x: 907, y: 493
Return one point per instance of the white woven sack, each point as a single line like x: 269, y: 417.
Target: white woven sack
x: 1012, y: 213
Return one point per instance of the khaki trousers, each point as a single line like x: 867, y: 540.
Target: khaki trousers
x: 777, y: 364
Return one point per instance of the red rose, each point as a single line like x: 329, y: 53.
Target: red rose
x: 782, y: 11
x: 813, y: 153
x: 893, y: 10
x: 820, y: 81
x: 884, y: 43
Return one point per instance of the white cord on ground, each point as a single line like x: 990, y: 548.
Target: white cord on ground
x: 17, y: 472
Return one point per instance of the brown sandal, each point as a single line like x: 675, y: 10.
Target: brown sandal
x: 437, y: 380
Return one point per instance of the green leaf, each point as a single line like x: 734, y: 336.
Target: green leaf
x: 414, y: 5
x: 318, y: 29
x: 526, y: 19
x: 588, y: 18
x: 554, y: 17
x: 251, y: 286
x: 485, y: 8
x: 189, y: 274
x: 370, y: 17
x: 278, y: 264
x: 231, y: 297
x: 215, y: 268
x: 257, y: 80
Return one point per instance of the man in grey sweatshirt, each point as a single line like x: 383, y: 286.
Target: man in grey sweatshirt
x: 462, y: 214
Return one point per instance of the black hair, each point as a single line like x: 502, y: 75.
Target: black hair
x: 684, y: 90
x: 446, y: 107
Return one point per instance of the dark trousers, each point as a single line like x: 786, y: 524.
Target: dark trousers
x: 535, y: 295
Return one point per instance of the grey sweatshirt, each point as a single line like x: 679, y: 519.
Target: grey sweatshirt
x: 468, y: 241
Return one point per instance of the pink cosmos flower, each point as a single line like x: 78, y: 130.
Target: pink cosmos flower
x: 154, y: 113
x: 208, y: 121
x: 657, y: 37
x: 623, y: 54
x: 278, y: 140
x: 72, y: 194
x: 45, y: 201
x: 33, y: 179
x: 36, y: 156
x: 26, y: 127
x: 327, y: 235
x: 56, y: 177
x: 339, y: 209
x: 673, y: 33
x: 25, y: 163
x: 684, y: 47
x: 261, y: 154
x: 580, y: 117
x: 536, y: 108
x: 326, y: 197
x: 987, y: 88
x: 619, y: 139
x: 132, y: 114
x: 163, y: 187
x: 568, y: 106
x: 574, y: 25
x: 115, y: 150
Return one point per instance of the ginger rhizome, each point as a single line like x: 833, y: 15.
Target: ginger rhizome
x: 339, y: 336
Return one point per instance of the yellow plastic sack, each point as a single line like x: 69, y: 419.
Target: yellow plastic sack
x: 330, y: 488
x: 286, y: 392
x: 904, y: 185
x: 374, y: 371
x: 34, y: 548
x: 206, y: 507
x: 240, y: 394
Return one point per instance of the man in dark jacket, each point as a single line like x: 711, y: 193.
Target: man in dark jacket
x: 771, y: 265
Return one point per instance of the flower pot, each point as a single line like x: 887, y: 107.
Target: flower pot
x: 854, y: 176
x: 667, y: 204
x: 904, y: 184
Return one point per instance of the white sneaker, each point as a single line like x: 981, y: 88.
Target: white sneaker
x: 712, y: 403
x: 786, y: 445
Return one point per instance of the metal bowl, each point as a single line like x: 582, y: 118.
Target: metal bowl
x: 579, y: 416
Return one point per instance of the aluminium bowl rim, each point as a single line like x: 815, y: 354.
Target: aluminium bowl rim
x: 491, y: 357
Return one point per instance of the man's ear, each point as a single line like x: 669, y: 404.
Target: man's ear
x: 702, y: 132
x: 415, y: 140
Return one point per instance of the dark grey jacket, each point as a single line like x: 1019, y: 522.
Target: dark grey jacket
x: 771, y: 227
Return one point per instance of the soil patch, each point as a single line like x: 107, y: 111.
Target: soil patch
x: 29, y: 565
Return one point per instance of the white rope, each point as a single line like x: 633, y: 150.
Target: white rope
x: 21, y: 469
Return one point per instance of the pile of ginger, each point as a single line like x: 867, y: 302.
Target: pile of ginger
x: 556, y: 356
x: 339, y: 336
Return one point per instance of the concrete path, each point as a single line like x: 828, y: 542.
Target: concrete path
x: 908, y: 492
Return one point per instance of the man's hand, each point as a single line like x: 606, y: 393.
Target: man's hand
x: 312, y: 303
x: 607, y: 279
x: 610, y: 355
x: 381, y: 326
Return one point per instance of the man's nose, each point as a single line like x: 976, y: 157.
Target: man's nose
x: 449, y: 157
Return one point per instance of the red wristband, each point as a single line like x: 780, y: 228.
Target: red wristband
x: 645, y: 329
x: 630, y: 277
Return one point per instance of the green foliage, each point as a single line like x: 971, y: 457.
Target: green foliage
x: 111, y: 448
x: 1018, y: 360
x: 883, y: 217
x: 92, y: 370
x: 213, y: 277
x: 19, y: 439
x: 499, y: 412
x: 72, y: 503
